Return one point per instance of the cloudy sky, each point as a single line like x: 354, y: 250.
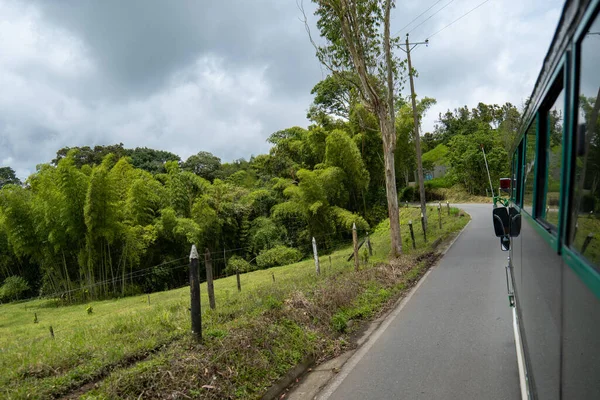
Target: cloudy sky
x: 221, y: 76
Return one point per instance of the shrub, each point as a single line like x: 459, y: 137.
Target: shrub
x: 339, y: 322
x: 237, y: 263
x: 277, y: 256
x: 445, y: 182
x: 433, y: 195
x: 408, y: 194
x: 13, y: 288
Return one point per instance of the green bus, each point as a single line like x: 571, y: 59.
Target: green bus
x: 551, y: 225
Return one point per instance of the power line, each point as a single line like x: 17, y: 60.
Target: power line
x: 428, y: 18
x: 417, y: 17
x: 459, y: 18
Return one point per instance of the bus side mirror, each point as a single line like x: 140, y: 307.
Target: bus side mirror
x: 505, y: 243
x: 515, y: 222
x: 501, y: 221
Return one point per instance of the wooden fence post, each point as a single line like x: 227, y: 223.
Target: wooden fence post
x: 237, y: 276
x: 423, y: 227
x: 369, y: 245
x: 210, y: 287
x: 355, y: 244
x: 317, y: 266
x: 273, y: 275
x: 586, y: 242
x: 440, y: 214
x: 51, y: 332
x: 412, y: 234
x: 448, y: 207
x: 195, y: 307
x: 330, y: 265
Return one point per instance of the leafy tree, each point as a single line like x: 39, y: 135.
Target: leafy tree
x: 468, y: 165
x: 8, y: 177
x: 354, y: 43
x: 342, y: 152
x: 334, y: 96
x: 203, y: 164
x: 264, y: 234
x: 87, y: 156
x: 151, y: 160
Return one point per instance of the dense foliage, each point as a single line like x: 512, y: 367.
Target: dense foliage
x: 457, y: 140
x: 110, y: 221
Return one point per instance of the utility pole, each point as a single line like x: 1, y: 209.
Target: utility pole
x: 417, y: 137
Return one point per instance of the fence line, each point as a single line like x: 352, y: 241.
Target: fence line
x: 149, y: 270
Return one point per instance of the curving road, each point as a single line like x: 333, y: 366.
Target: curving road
x: 453, y: 339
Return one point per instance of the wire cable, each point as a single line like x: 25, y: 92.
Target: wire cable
x: 417, y: 17
x: 459, y: 18
x: 428, y: 18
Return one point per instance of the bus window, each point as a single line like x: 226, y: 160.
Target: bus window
x: 529, y: 168
x: 513, y: 193
x: 554, y: 152
x: 517, y: 173
x: 585, y: 228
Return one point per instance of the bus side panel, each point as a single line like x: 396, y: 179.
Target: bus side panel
x: 581, y: 339
x: 540, y: 308
x: 517, y: 265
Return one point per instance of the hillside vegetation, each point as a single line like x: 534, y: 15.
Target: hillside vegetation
x: 101, y: 223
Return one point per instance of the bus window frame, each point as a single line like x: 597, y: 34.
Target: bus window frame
x: 545, y: 230
x: 524, y: 143
x: 588, y: 273
x: 517, y: 175
x: 559, y: 85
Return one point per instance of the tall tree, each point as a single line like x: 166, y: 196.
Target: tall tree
x: 203, y: 164
x: 8, y: 176
x: 355, y: 42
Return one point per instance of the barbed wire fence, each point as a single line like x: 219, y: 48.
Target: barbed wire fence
x: 219, y: 265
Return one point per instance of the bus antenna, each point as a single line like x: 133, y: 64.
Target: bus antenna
x: 488, y: 170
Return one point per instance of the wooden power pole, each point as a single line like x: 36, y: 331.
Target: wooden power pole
x: 417, y: 137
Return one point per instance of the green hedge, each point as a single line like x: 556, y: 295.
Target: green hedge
x: 13, y: 288
x: 277, y: 256
x: 237, y: 263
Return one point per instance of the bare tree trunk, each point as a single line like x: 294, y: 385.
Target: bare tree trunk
x: 347, y: 12
x: 390, y: 185
x: 388, y: 132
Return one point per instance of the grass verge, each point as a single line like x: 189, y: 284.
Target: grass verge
x: 251, y: 340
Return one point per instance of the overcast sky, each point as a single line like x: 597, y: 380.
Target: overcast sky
x: 221, y: 76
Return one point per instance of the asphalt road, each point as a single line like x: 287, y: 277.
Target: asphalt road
x: 453, y: 338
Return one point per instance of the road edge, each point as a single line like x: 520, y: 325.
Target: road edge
x: 360, y: 352
x: 341, y: 362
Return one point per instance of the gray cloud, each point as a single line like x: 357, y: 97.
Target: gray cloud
x: 221, y: 76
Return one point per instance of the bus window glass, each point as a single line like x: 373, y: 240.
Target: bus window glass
x: 529, y: 168
x: 513, y: 193
x: 554, y: 153
x: 585, y: 229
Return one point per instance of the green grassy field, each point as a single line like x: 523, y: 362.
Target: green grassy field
x: 132, y: 348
